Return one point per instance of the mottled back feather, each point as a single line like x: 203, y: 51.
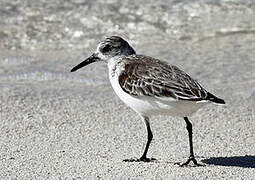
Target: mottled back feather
x: 146, y: 76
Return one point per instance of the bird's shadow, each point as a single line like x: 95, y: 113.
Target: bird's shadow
x: 237, y: 161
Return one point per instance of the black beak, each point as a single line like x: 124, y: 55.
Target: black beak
x: 89, y: 60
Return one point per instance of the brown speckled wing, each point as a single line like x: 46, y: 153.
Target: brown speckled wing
x: 145, y: 76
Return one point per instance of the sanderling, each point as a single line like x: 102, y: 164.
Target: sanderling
x: 150, y: 86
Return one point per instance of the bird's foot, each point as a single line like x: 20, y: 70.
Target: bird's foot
x: 187, y: 163
x: 142, y: 159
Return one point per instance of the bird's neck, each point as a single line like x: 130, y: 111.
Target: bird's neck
x: 114, y: 63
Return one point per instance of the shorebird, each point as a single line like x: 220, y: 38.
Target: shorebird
x: 150, y: 87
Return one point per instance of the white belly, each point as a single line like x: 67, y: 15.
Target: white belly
x: 148, y: 106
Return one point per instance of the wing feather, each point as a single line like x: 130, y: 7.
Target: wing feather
x: 151, y: 77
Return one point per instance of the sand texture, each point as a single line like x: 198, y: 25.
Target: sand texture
x: 60, y: 125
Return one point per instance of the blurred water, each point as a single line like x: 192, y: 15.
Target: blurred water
x: 41, y: 41
x: 78, y: 24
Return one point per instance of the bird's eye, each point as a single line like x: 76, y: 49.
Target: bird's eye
x: 106, y: 49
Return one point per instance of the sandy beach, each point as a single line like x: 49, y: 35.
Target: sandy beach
x: 60, y: 125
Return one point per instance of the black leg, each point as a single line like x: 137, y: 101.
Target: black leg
x: 191, y: 156
x: 150, y: 136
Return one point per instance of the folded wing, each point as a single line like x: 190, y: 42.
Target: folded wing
x: 151, y: 77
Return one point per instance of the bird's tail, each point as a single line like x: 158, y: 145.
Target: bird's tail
x: 214, y: 99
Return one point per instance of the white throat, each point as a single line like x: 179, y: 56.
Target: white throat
x: 115, y: 65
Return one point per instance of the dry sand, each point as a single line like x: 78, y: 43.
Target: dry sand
x: 60, y: 125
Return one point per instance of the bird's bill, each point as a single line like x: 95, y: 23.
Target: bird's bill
x: 89, y: 60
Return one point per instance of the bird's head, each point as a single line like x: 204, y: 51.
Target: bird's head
x: 111, y: 47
